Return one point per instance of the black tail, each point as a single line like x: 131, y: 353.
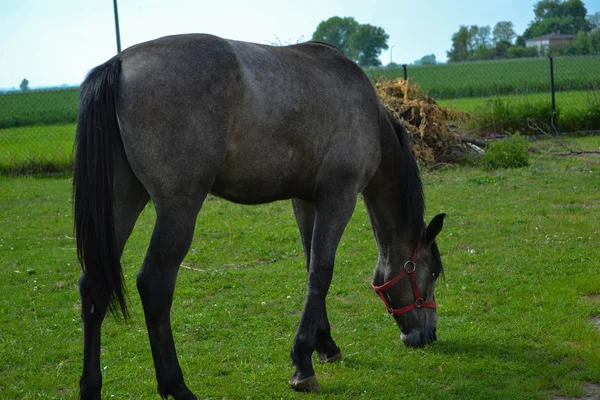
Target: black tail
x: 97, y: 131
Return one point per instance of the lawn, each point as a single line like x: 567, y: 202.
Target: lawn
x: 521, y: 254
x: 41, y: 148
x: 566, y: 102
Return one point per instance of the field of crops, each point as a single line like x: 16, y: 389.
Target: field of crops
x: 484, y: 79
x: 38, y: 107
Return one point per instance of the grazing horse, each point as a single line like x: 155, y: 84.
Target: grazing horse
x: 177, y: 118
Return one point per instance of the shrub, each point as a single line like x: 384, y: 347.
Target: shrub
x: 507, y: 153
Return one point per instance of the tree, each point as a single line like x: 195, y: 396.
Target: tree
x: 337, y: 32
x: 367, y: 43
x: 361, y: 42
x: 503, y: 32
x: 24, y: 85
x: 480, y: 36
x: 461, y: 45
x: 428, y: 59
x: 564, y: 16
x: 594, y: 20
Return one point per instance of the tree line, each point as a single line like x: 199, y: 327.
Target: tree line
x: 472, y: 43
x: 364, y: 42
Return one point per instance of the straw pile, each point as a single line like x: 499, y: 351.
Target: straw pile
x: 428, y: 124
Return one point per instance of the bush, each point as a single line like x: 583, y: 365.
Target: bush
x: 507, y: 153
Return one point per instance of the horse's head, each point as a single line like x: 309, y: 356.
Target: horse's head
x: 408, y: 289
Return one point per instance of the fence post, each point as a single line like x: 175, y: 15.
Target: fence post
x: 117, y: 26
x: 404, y: 71
x: 554, y: 127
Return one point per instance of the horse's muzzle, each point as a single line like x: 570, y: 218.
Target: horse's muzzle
x: 419, y: 338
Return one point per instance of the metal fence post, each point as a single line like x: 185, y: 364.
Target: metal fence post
x: 117, y: 26
x: 404, y: 71
x: 554, y: 127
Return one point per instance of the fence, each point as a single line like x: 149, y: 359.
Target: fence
x: 554, y: 94
x: 37, y: 127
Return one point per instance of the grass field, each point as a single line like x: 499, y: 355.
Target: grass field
x: 568, y: 102
x: 39, y: 107
x: 36, y: 149
x: 521, y: 285
x: 492, y: 78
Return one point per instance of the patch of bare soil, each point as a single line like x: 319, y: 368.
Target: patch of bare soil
x: 591, y: 391
x: 596, y: 322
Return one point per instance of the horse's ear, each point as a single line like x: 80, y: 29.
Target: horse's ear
x: 435, y: 226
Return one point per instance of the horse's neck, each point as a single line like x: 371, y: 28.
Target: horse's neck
x: 386, y: 199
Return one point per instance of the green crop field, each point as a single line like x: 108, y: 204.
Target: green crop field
x: 490, y: 78
x: 517, y: 302
x: 38, y: 107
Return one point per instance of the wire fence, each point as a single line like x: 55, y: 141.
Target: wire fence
x: 37, y: 127
x: 546, y: 94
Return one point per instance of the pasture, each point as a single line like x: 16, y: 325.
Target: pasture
x: 521, y: 287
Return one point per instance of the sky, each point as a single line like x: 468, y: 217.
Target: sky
x: 56, y: 42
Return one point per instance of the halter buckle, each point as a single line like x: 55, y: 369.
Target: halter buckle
x: 410, y: 267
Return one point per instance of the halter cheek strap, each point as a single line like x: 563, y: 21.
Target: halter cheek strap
x: 408, y: 269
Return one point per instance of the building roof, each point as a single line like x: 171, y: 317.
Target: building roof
x: 552, y: 36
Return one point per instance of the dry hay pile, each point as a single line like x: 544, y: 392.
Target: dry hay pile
x: 428, y: 124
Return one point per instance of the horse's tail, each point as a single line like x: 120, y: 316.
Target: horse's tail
x: 97, y: 131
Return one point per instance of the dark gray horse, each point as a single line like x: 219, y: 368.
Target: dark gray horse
x: 180, y: 117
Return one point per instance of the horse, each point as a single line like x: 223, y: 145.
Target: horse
x: 178, y: 118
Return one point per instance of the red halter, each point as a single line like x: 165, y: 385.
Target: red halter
x: 408, y: 269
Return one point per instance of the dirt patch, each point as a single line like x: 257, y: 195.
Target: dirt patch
x: 596, y: 322
x: 591, y: 391
x: 594, y: 296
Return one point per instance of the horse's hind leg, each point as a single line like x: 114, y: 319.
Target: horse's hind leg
x: 333, y: 209
x: 327, y: 350
x: 171, y: 239
x: 130, y: 197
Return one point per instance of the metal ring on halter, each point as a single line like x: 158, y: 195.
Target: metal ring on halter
x: 408, y: 269
x: 419, y: 302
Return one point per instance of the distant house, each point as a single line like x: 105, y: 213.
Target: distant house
x: 555, y: 40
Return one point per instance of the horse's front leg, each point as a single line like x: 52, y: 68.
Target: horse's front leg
x: 327, y: 350
x: 332, y: 213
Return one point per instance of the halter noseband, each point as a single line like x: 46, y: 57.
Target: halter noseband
x: 408, y: 269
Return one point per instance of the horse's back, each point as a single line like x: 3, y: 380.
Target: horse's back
x: 255, y: 123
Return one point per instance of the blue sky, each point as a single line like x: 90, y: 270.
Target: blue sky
x: 56, y: 42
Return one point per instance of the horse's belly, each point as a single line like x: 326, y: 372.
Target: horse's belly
x: 263, y: 179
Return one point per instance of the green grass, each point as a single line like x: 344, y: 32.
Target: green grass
x: 491, y: 78
x: 36, y: 149
x: 576, y: 111
x: 39, y: 107
x: 521, y: 255
x: 568, y: 102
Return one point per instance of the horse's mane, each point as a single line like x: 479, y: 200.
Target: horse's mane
x: 324, y: 44
x: 414, y: 198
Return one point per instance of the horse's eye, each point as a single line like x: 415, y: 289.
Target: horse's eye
x: 433, y: 274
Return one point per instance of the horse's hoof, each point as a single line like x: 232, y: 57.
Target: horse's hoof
x: 309, y: 384
x: 322, y: 357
